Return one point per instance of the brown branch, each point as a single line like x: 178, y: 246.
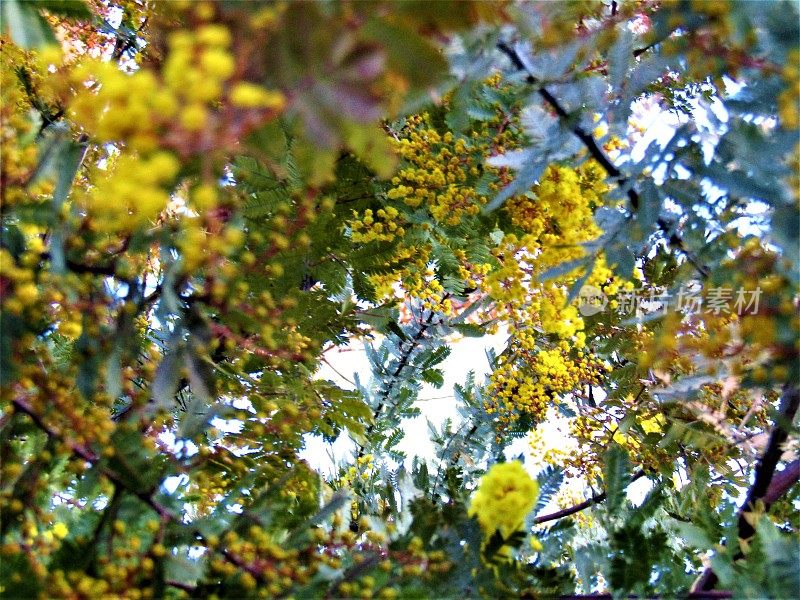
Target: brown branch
x: 600, y: 156
x: 145, y: 496
x: 109, y: 269
x: 704, y: 595
x: 181, y: 586
x: 782, y: 482
x: 402, y: 364
x: 596, y: 499
x: 769, y: 461
x: 767, y: 485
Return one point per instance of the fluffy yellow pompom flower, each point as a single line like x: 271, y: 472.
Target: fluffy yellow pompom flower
x: 653, y: 424
x: 60, y: 531
x: 249, y: 95
x: 505, y: 496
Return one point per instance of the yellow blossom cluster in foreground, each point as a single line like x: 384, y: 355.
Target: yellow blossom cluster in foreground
x: 505, y: 496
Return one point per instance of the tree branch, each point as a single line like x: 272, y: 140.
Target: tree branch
x: 704, y: 595
x: 600, y: 156
x: 402, y: 364
x: 782, y: 482
x: 767, y: 486
x: 145, y: 496
x: 596, y: 499
x: 765, y: 470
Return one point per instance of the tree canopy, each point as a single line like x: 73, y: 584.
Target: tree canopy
x: 200, y: 199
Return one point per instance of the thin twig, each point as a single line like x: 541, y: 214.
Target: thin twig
x: 699, y: 595
x: 767, y: 486
x: 600, y: 156
x: 145, y: 496
x: 405, y: 357
x: 597, y: 498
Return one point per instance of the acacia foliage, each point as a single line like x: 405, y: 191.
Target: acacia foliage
x: 199, y: 200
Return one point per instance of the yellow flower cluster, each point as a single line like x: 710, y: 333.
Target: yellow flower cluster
x: 409, y: 266
x: 554, y: 219
x: 198, y: 65
x: 384, y: 225
x: 789, y: 98
x: 505, y: 496
x: 24, y: 292
x: 250, y: 95
x: 132, y: 192
x: 199, y: 247
x: 550, y: 226
x: 440, y: 175
x: 360, y: 473
x: 19, y: 157
x: 558, y: 214
x: 428, y: 289
x: 442, y: 169
x: 110, y: 105
x: 529, y: 381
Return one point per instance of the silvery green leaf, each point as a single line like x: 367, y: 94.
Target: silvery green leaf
x: 497, y: 236
x: 198, y: 378
x: 694, y: 535
x: 562, y: 269
x: 576, y: 287
x: 166, y: 380
x: 27, y: 27
x: 515, y: 159
x: 620, y: 56
x: 526, y: 178
x: 549, y: 64
x: 114, y: 374
x: 682, y: 389
x: 195, y: 418
x: 538, y: 124
x: 608, y: 219
x: 643, y: 74
x: 649, y: 204
x: 620, y: 255
x: 549, y: 480
x: 739, y: 183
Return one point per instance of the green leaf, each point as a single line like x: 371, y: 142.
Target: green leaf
x: 616, y: 473
x: 26, y: 26
x: 549, y: 481
x: 472, y: 330
x: 434, y: 377
x: 694, y: 535
x: 372, y: 146
x: 72, y: 9
x: 315, y: 165
x: 649, y: 205
x: 407, y: 52
x: 180, y: 568
x: 66, y: 163
x: 166, y: 380
x: 114, y: 374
